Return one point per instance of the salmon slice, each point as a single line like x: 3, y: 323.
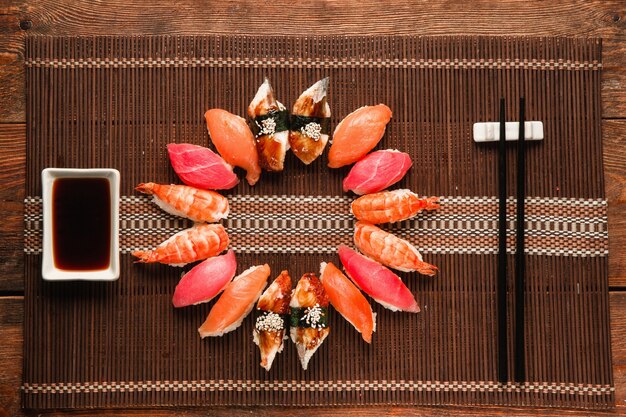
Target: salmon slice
x: 385, y: 287
x: 357, y: 134
x: 234, y: 141
x: 236, y: 302
x: 348, y: 300
x: 377, y: 171
x: 205, y: 280
x: 270, y: 325
x: 200, y: 167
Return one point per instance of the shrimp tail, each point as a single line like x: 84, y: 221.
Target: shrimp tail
x: 432, y: 203
x: 427, y: 269
x: 146, y: 188
x: 143, y: 256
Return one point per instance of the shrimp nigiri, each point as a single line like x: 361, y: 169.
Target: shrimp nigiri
x: 309, y: 317
x: 391, y: 206
x: 236, y: 302
x: 377, y: 171
x: 200, y: 167
x: 190, y: 245
x: 385, y: 287
x: 234, y: 141
x: 184, y: 201
x: 272, y: 310
x: 271, y: 128
x: 309, y: 124
x: 205, y: 280
x: 357, y: 134
x: 390, y: 250
x: 348, y: 300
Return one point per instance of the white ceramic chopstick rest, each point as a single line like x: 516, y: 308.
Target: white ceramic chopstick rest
x: 490, y: 131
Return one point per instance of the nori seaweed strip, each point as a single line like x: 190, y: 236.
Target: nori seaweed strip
x: 281, y: 118
x: 297, y: 122
x: 295, y: 320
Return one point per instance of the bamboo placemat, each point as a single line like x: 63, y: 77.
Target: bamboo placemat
x: 117, y: 101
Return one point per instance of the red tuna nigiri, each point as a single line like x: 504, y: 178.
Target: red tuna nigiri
x: 205, y: 280
x: 348, y: 300
x: 377, y: 171
x: 201, y: 167
x: 357, y: 134
x: 385, y: 287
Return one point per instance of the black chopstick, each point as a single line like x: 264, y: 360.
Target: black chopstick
x: 502, y: 281
x: 520, y: 266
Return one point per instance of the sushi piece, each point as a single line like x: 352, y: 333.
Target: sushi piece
x: 357, y: 134
x: 200, y: 242
x: 377, y: 171
x: 348, y: 300
x: 205, y: 280
x: 310, y: 122
x: 390, y: 250
x: 271, y: 128
x: 391, y: 206
x: 271, y: 322
x: 236, y: 302
x: 385, y: 287
x: 200, y: 167
x: 234, y: 141
x: 185, y: 201
x: 309, y: 317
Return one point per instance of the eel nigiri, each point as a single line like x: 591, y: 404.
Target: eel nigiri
x: 234, y: 141
x: 348, y: 300
x: 201, y: 167
x: 309, y: 317
x: 190, y: 245
x: 236, y: 302
x: 271, y: 128
x: 390, y: 250
x: 185, y: 201
x: 391, y: 206
x: 310, y: 122
x: 205, y: 280
x: 272, y: 311
x: 357, y: 134
x: 385, y: 287
x: 377, y: 171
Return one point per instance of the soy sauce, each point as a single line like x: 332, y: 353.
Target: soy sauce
x: 81, y: 223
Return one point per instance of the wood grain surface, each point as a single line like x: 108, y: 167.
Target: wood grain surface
x: 606, y: 19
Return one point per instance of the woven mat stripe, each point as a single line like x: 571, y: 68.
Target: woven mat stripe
x: 140, y: 386
x: 569, y: 227
x: 150, y: 62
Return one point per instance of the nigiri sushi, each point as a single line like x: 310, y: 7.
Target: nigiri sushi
x: 200, y: 167
x: 236, y: 302
x: 190, y: 245
x: 271, y: 128
x: 391, y: 206
x: 205, y: 280
x: 309, y: 317
x: 185, y: 201
x: 390, y: 250
x: 310, y: 122
x: 270, y: 325
x: 234, y: 141
x: 377, y: 171
x: 357, y: 134
x: 385, y: 287
x: 348, y: 300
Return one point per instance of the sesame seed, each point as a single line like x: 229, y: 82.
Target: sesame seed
x: 269, y: 321
x: 312, y: 130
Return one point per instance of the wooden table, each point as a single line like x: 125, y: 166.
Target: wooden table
x: 606, y: 19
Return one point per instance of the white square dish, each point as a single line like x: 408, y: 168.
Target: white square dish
x: 49, y: 269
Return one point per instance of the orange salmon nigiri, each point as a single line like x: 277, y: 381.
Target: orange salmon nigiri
x: 195, y: 244
x: 390, y: 250
x: 391, y: 206
x: 236, y: 302
x: 348, y: 300
x: 184, y: 201
x: 357, y: 134
x: 234, y: 141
